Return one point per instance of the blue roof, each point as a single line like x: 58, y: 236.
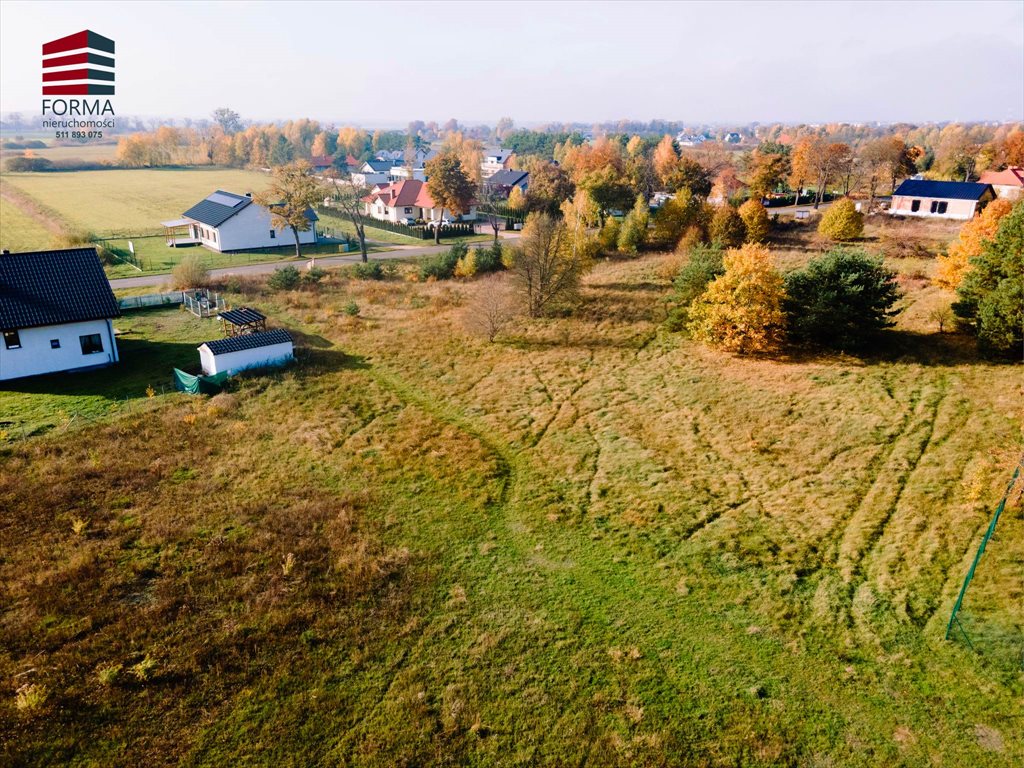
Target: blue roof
x: 247, y: 341
x: 949, y: 190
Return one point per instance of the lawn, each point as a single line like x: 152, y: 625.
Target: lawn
x: 19, y: 231
x: 591, y: 542
x: 155, y: 257
x: 341, y: 225
x: 129, y: 202
x: 150, y: 343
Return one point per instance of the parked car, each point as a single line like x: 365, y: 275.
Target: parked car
x: 434, y: 223
x: 409, y: 221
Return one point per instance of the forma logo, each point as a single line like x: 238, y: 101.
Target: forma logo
x: 81, y: 64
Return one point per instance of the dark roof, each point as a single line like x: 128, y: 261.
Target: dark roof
x: 950, y: 190
x: 217, y: 208
x: 242, y: 316
x: 507, y: 178
x: 379, y: 166
x: 247, y: 341
x: 53, y: 287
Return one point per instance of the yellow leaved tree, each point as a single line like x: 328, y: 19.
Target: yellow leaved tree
x: 741, y: 310
x: 952, y: 267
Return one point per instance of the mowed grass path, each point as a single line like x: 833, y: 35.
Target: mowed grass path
x: 593, y: 543
x: 130, y: 202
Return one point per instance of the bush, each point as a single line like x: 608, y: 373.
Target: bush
x: 741, y: 310
x: 489, y: 258
x: 633, y: 233
x: 190, y: 272
x: 703, y: 266
x: 842, y: 299
x: 466, y: 266
x: 22, y: 164
x: 952, y: 267
x: 313, y: 276
x: 492, y: 310
x: 608, y: 237
x: 370, y: 270
x: 284, y: 279
x: 992, y: 292
x: 351, y: 309
x: 755, y: 220
x: 842, y: 221
x: 692, y: 238
x: 727, y: 229
x: 442, y: 266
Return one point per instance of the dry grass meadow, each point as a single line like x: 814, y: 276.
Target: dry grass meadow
x: 592, y: 542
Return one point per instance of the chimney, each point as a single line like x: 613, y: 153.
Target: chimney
x: 6, y: 251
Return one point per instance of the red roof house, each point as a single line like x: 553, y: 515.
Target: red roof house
x: 1008, y: 183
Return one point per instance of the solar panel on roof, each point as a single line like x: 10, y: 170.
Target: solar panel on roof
x: 219, y: 197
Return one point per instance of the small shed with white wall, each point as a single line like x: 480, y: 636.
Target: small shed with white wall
x: 251, y: 350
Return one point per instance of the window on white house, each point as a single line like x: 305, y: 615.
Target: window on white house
x: 215, y: 235
x: 915, y: 206
x: 12, y: 340
x: 273, y: 234
x: 54, y: 343
x: 91, y: 344
x: 408, y: 210
x: 942, y: 207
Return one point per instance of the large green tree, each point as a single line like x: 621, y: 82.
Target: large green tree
x: 841, y: 299
x: 992, y: 292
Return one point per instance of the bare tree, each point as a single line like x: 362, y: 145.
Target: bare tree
x: 349, y: 198
x: 493, y: 308
x: 489, y: 197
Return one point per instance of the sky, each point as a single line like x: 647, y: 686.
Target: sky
x: 386, y: 63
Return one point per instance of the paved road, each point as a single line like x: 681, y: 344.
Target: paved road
x: 396, y: 252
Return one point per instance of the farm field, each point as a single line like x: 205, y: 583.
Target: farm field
x: 128, y: 201
x: 592, y: 542
x: 18, y: 231
x: 88, y: 152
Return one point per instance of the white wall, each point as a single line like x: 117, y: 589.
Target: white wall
x: 250, y: 228
x: 902, y: 205
x: 36, y: 356
x: 232, y: 362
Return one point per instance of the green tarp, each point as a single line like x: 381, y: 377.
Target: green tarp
x: 195, y: 385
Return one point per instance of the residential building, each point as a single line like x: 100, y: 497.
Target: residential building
x: 403, y: 201
x: 56, y: 313
x: 1007, y: 183
x: 940, y: 199
x: 494, y: 161
x: 321, y: 163
x: 374, y: 172
x: 226, y: 222
x: 690, y: 139
x: 503, y: 182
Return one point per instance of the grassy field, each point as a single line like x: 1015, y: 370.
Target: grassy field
x: 155, y: 257
x: 88, y: 152
x: 19, y: 231
x: 129, y: 202
x: 593, y: 542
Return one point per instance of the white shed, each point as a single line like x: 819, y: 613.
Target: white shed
x: 251, y: 350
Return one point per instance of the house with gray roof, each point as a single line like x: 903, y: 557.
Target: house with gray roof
x: 224, y: 221
x: 56, y: 313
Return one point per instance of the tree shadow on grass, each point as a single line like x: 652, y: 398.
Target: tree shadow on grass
x: 936, y: 350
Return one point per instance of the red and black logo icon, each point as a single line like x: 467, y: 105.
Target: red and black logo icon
x: 71, y: 64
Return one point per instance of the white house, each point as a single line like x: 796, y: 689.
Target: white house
x: 374, y: 172
x: 940, y: 199
x: 1007, y: 183
x: 225, y: 222
x: 56, y: 309
x: 494, y: 161
x: 690, y: 139
x: 406, y: 200
x: 250, y: 350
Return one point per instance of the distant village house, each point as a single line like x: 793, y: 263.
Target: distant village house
x: 1008, y: 183
x: 405, y: 202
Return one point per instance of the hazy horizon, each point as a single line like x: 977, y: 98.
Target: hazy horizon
x: 384, y: 64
